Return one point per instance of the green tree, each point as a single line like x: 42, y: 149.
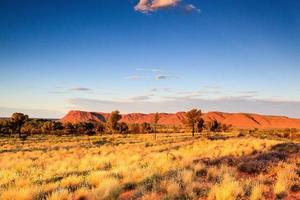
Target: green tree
x: 18, y: 120
x: 89, y: 128
x: 123, y: 128
x: 57, y: 126
x: 28, y: 128
x: 6, y: 127
x: 214, y: 126
x: 113, y: 120
x: 85, y: 128
x: 69, y: 128
x: 191, y: 119
x: 134, y: 128
x: 1, y: 125
x: 226, y: 127
x: 47, y: 127
x: 99, y: 127
x: 146, y: 128
x: 155, y: 120
x: 200, y: 125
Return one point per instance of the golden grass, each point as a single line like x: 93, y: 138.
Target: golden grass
x: 228, y: 189
x: 257, y: 191
x: 94, y: 167
x: 172, y: 188
x: 286, y: 176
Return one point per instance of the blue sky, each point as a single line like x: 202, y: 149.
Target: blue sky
x: 149, y: 55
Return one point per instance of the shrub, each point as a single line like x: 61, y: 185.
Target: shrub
x: 134, y: 128
x: 253, y: 167
x: 146, y: 128
x: 129, y: 186
x: 287, y: 148
x: 122, y: 128
x: 214, y: 126
x: 151, y: 182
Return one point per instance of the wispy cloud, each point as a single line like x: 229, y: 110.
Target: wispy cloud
x: 167, y: 89
x: 57, y: 92
x: 161, y: 90
x: 133, y: 77
x: 164, y: 77
x: 212, y: 87
x: 155, y: 70
x: 151, y: 73
x: 139, y: 77
x: 147, y: 6
x: 140, y: 98
x: 63, y: 90
x: 80, y: 89
x: 191, y: 8
x: 250, y: 92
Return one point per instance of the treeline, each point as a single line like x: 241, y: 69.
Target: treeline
x: 21, y: 125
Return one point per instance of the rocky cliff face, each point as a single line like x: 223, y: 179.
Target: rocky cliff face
x: 239, y: 120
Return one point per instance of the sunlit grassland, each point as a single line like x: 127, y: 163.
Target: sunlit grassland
x: 172, y: 166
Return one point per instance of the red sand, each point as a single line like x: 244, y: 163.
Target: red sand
x: 240, y: 120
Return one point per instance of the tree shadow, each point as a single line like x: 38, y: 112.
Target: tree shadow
x: 257, y: 162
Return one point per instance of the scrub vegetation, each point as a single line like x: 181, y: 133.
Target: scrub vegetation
x: 142, y: 166
x: 90, y: 161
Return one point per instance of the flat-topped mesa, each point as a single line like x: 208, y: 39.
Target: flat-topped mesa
x: 77, y: 116
x: 239, y: 120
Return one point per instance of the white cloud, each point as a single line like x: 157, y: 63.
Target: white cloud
x: 151, y: 5
x: 163, y: 3
x: 147, y: 6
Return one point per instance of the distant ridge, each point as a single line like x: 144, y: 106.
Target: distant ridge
x: 239, y: 120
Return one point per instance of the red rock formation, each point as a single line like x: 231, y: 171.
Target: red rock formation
x: 76, y: 116
x: 239, y: 120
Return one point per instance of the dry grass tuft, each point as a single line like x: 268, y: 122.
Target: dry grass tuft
x: 108, y: 189
x: 257, y: 192
x: 60, y: 195
x: 172, y: 188
x: 286, y: 176
x: 228, y: 189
